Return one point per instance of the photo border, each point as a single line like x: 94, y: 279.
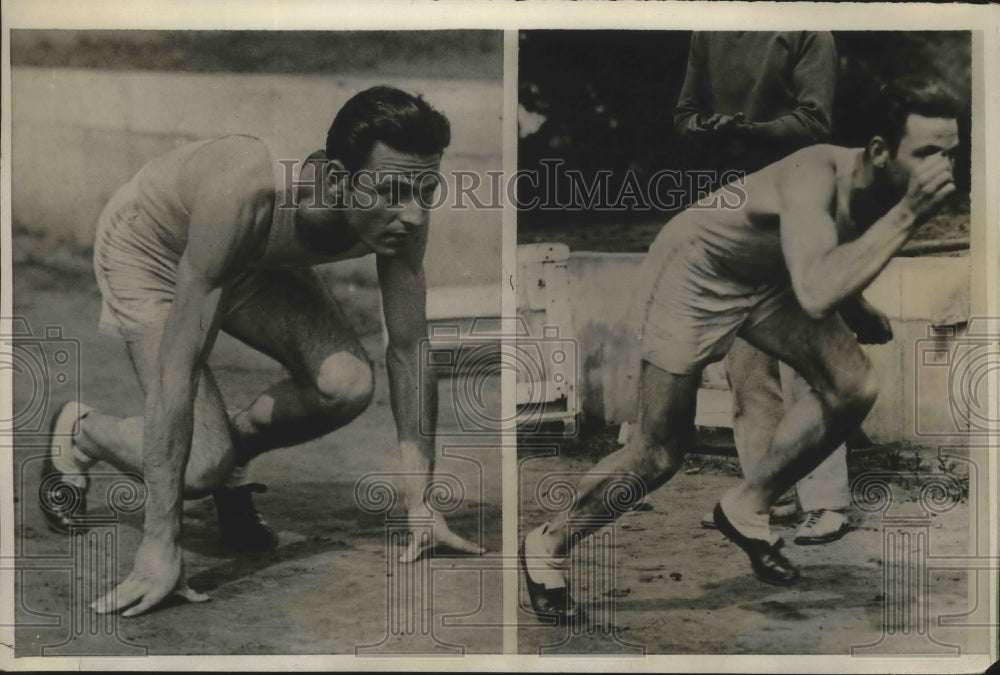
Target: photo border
x: 510, y: 17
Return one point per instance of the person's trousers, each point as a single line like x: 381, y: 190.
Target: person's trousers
x: 763, y: 390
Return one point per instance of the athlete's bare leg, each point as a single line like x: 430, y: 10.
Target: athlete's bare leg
x: 331, y: 382
x: 757, y: 400
x: 293, y: 319
x: 653, y: 455
x: 842, y: 391
x: 118, y: 440
x: 762, y: 393
x: 824, y: 352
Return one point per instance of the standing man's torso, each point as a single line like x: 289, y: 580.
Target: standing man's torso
x: 750, y: 72
x: 765, y: 76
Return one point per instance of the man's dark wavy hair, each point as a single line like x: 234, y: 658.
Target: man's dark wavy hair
x: 907, y: 96
x: 402, y: 121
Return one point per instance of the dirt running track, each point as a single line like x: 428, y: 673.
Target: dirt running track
x: 672, y: 587
x: 677, y: 589
x: 323, y: 591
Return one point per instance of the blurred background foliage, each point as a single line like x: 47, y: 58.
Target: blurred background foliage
x: 604, y: 100
x: 593, y: 100
x: 427, y: 54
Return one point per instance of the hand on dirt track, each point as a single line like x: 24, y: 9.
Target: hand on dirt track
x: 158, y: 572
x: 440, y: 536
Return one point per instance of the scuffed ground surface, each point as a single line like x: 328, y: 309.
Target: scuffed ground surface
x: 659, y: 583
x: 324, y: 591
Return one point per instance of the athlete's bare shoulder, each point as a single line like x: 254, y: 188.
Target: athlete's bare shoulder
x: 814, y: 160
x: 231, y: 179
x: 812, y: 170
x: 230, y: 167
x: 228, y: 188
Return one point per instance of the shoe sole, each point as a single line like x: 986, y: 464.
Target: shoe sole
x: 780, y: 521
x: 825, y: 539
x: 790, y: 519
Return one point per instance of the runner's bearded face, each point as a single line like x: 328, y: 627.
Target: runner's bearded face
x: 924, y: 138
x: 389, y: 198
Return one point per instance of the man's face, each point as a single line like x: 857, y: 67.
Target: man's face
x: 388, y: 196
x: 923, y: 139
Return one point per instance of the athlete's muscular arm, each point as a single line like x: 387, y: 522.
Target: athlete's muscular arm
x: 412, y: 392
x: 824, y: 273
x: 224, y: 205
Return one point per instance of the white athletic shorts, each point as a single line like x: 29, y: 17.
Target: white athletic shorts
x: 137, y: 273
x: 693, y: 310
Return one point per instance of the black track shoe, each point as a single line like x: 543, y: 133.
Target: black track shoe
x: 241, y: 527
x: 62, y: 502
x: 768, y: 564
x: 549, y: 603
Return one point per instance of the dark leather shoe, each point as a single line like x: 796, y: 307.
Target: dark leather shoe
x: 549, y: 603
x: 61, y: 500
x: 768, y: 564
x: 240, y: 524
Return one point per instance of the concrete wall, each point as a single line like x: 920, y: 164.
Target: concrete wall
x: 914, y: 370
x: 79, y: 134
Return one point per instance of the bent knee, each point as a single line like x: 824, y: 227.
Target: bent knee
x: 658, y: 462
x: 857, y: 392
x: 346, y: 380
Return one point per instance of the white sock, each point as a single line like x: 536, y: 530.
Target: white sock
x: 72, y: 460
x: 72, y: 472
x: 239, y: 476
x: 240, y: 420
x: 747, y: 523
x: 543, y: 567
